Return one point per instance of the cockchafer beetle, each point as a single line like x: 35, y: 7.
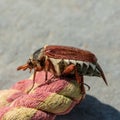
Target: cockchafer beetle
x: 64, y: 60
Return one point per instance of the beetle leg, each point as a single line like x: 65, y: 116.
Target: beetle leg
x: 49, y: 67
x: 68, y: 69
x: 78, y: 77
x: 52, y: 68
x: 47, y: 64
x: 80, y: 80
x: 34, y: 74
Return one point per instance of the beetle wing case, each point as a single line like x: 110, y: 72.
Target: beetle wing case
x: 71, y: 53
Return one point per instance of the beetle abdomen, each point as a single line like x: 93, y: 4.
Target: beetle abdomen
x: 87, y: 68
x: 83, y: 68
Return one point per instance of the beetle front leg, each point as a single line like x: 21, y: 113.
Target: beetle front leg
x: 34, y: 74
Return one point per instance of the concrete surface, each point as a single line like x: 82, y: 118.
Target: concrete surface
x: 26, y: 25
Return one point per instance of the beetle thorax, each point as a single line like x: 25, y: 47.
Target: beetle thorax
x: 36, y: 59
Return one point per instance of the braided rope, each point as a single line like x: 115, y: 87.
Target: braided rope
x: 43, y: 102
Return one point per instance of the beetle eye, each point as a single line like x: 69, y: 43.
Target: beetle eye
x: 29, y: 62
x: 42, y: 61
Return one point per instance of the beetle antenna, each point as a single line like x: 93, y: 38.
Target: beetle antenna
x: 23, y: 67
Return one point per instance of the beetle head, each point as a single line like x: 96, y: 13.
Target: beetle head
x: 29, y: 65
x: 36, y: 61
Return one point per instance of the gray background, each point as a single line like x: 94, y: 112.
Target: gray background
x: 26, y: 25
